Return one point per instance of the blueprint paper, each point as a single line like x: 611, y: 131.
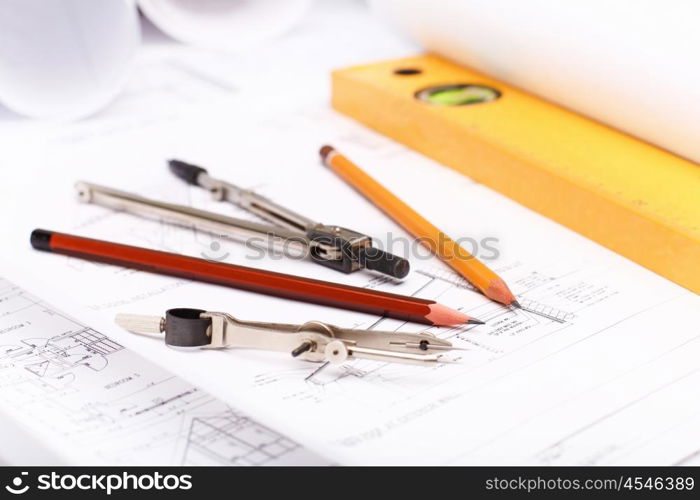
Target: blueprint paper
x: 602, y: 372
x: 88, y: 399
x: 600, y: 368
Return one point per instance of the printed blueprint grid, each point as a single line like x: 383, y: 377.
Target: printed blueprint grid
x: 600, y: 367
x: 95, y: 401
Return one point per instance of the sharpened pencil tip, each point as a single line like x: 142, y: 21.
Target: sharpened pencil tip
x: 498, y: 290
x: 440, y: 315
x: 516, y: 304
x: 474, y: 321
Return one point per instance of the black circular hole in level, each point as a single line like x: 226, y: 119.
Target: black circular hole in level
x: 408, y: 71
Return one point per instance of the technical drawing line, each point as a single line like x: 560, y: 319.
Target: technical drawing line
x: 107, y: 404
x: 616, y: 411
x: 651, y: 438
x: 449, y: 277
x: 235, y: 439
x: 309, y: 377
x: 528, y: 305
x: 544, y: 315
x: 689, y: 458
x: 589, y: 390
x: 317, y: 370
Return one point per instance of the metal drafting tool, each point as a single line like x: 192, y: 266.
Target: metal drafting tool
x: 348, y: 250
x: 331, y: 246
x: 312, y: 341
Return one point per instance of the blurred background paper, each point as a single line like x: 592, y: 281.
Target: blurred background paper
x: 631, y: 64
x: 229, y: 25
x: 64, y: 58
x: 67, y: 59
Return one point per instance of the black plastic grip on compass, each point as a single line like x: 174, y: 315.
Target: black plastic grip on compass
x: 186, y: 171
x: 185, y: 328
x: 383, y: 262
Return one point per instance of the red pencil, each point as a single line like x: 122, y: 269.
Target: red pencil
x: 254, y: 280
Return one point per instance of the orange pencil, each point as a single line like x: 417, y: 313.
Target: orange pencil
x: 459, y: 259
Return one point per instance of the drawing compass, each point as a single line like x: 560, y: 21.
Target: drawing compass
x: 333, y: 246
x: 292, y: 234
x: 312, y: 341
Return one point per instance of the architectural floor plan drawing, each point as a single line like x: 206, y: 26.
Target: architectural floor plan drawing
x: 218, y: 438
x: 386, y: 384
x: 91, y: 399
x: 599, y: 367
x: 528, y: 305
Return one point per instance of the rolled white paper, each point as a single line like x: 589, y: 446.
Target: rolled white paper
x: 632, y: 64
x: 227, y: 25
x: 64, y: 59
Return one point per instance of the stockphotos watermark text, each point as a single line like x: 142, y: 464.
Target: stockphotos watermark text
x: 416, y: 249
x: 106, y: 483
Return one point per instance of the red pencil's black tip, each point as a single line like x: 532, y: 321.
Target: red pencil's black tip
x: 41, y: 239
